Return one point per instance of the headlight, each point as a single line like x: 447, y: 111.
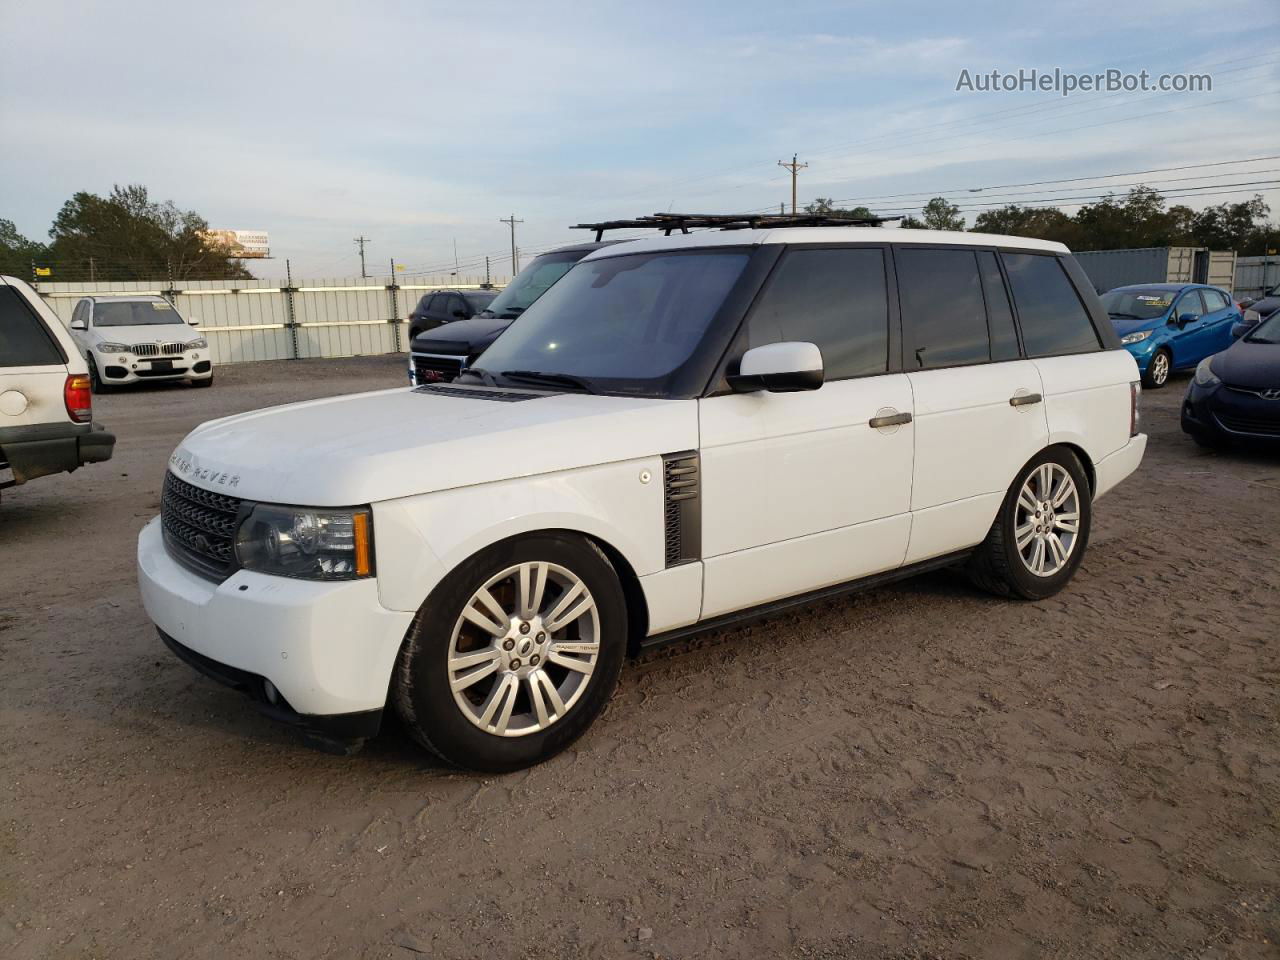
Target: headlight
x: 1136, y: 337
x: 1205, y: 377
x: 306, y: 543
x: 114, y: 348
x: 200, y: 344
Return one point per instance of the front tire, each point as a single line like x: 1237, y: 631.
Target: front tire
x: 514, y: 654
x: 95, y: 382
x: 1158, y: 370
x: 206, y: 382
x: 1040, y: 534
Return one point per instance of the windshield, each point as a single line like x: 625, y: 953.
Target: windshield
x: 620, y: 319
x: 1137, y: 304
x: 532, y: 282
x: 1268, y: 331
x: 135, y: 313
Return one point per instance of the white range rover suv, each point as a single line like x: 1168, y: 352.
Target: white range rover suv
x: 130, y: 339
x: 684, y: 431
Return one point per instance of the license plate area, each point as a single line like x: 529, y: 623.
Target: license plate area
x: 165, y: 365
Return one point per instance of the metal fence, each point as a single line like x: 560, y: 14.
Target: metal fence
x: 1256, y: 275
x: 263, y: 320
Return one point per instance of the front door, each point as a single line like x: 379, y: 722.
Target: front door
x: 800, y: 491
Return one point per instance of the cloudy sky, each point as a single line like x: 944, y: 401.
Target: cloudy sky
x: 420, y: 124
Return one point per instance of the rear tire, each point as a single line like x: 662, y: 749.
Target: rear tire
x: 1007, y: 562
x: 1158, y: 370
x: 555, y: 663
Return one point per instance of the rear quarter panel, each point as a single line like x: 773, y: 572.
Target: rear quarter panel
x: 1087, y: 399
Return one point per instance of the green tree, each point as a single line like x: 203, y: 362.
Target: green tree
x: 824, y: 206
x: 1042, y: 223
x: 939, y: 214
x: 17, y: 252
x: 128, y: 236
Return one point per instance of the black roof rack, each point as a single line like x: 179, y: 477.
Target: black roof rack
x: 684, y: 222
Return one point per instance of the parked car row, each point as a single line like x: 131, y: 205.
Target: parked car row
x: 677, y: 433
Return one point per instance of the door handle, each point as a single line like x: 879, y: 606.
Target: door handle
x: 893, y: 420
x: 1025, y: 399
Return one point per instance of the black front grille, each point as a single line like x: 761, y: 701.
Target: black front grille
x: 682, y: 508
x: 1254, y: 425
x: 436, y: 369
x: 199, y: 527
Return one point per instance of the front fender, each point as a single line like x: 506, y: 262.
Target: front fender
x: 418, y: 540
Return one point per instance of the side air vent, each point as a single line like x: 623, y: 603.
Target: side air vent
x: 682, y: 507
x: 466, y: 393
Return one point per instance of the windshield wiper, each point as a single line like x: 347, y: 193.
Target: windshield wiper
x: 1131, y: 316
x: 484, y: 376
x: 552, y: 379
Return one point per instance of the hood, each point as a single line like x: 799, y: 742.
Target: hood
x: 461, y: 336
x: 1266, y: 306
x: 1245, y: 364
x: 368, y: 447
x: 1125, y: 326
x: 147, y: 333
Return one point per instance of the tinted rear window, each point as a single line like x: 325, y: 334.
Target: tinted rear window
x: 1053, y: 319
x: 944, y: 317
x: 24, y: 342
x: 836, y: 299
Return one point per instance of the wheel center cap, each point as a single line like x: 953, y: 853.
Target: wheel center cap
x: 524, y: 647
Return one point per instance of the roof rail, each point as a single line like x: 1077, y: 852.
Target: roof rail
x: 684, y: 222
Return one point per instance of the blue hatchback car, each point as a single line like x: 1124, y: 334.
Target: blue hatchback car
x: 1171, y: 326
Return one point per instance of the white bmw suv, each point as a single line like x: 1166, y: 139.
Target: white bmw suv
x: 683, y: 432
x: 131, y: 339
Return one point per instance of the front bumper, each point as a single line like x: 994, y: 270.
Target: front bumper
x: 1231, y: 413
x: 327, y: 648
x: 1142, y: 352
x: 111, y: 371
x: 44, y: 449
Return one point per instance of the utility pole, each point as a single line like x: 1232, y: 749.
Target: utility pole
x: 795, y: 168
x: 511, y: 221
x: 360, y: 242
x: 487, y: 281
x: 92, y: 278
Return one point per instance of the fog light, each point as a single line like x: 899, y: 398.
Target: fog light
x: 273, y: 695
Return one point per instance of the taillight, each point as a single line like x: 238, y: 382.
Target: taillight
x: 78, y: 398
x: 1135, y: 391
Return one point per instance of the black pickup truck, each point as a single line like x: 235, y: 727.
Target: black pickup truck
x: 440, y: 354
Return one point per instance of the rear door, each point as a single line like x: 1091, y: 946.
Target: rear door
x: 1220, y: 314
x: 978, y: 410
x: 33, y: 366
x: 800, y: 491
x: 1086, y: 378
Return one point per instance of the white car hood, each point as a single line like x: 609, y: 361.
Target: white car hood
x: 368, y: 447
x: 146, y: 333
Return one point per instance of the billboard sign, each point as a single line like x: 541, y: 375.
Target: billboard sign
x: 241, y: 244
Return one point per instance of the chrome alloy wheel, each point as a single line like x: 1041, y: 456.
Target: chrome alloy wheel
x: 1047, y: 519
x: 1160, y: 368
x: 523, y: 649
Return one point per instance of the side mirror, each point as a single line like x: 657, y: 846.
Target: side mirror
x: 1185, y: 318
x: 193, y: 321
x: 1240, y: 328
x: 462, y: 315
x: 79, y: 325
x: 787, y: 367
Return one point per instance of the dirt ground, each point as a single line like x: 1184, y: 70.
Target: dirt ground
x: 918, y: 771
